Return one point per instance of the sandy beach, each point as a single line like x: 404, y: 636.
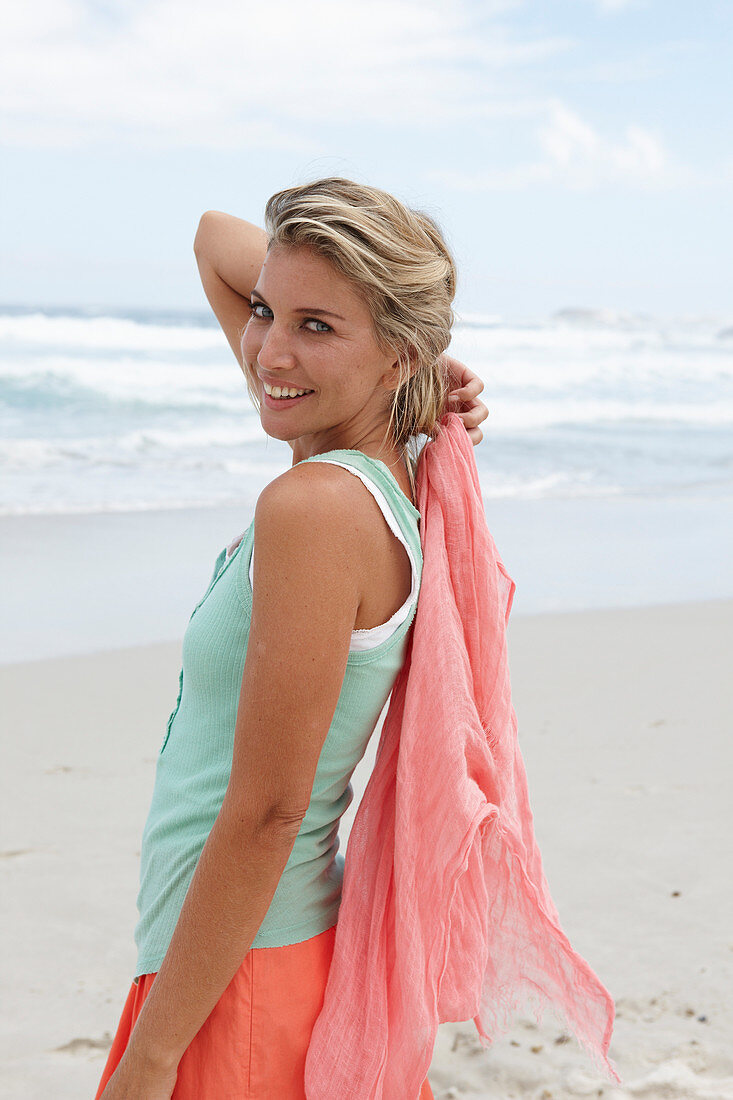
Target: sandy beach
x: 625, y: 721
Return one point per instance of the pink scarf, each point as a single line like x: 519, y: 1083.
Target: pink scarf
x: 445, y: 912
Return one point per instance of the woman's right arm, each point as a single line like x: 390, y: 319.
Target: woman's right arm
x: 230, y: 253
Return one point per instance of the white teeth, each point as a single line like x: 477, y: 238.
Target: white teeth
x: 283, y: 391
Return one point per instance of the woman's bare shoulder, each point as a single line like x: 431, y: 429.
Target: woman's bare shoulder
x: 317, y: 508
x: 323, y: 519
x: 317, y: 488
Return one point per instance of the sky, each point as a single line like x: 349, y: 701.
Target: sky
x: 577, y: 153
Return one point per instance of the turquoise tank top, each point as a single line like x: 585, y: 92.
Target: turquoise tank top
x: 195, y: 759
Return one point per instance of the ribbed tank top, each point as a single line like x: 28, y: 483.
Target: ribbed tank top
x: 194, y: 762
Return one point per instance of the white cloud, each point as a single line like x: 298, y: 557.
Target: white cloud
x: 575, y: 155
x: 182, y: 73
x: 571, y: 144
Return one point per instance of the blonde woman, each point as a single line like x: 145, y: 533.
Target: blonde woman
x: 339, y: 315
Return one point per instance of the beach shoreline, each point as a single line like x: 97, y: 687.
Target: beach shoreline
x: 89, y: 582
x: 624, y: 720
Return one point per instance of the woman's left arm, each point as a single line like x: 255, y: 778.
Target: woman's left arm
x: 306, y: 597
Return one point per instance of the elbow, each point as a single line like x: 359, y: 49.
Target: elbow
x: 283, y: 821
x: 203, y: 232
x: 279, y: 822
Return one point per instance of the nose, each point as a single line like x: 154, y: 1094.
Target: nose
x: 275, y: 352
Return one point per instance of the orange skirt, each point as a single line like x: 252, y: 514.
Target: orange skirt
x: 254, y: 1043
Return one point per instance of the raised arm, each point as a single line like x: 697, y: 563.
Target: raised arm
x: 229, y: 252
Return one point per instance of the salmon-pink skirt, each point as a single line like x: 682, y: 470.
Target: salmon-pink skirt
x: 254, y: 1043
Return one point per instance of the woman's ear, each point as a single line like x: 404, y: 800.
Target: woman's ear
x: 395, y: 376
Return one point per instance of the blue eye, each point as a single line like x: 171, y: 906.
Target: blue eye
x: 254, y: 306
x: 264, y: 313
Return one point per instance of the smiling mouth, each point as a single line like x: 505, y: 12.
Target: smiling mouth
x: 285, y: 393
x: 273, y: 402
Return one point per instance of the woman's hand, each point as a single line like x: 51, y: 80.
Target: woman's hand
x: 135, y: 1078
x: 465, y: 386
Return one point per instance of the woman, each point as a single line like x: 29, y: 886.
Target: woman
x: 292, y: 652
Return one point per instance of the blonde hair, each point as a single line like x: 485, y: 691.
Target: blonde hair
x: 398, y: 259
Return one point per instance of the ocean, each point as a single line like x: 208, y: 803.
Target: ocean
x: 130, y: 454
x: 120, y: 411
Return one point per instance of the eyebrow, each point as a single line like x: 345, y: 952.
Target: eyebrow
x: 313, y: 312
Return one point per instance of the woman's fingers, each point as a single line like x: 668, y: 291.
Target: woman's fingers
x: 465, y: 386
x: 474, y: 415
x: 470, y: 388
x: 472, y: 411
x: 459, y: 375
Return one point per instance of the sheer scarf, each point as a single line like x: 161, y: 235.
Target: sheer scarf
x: 445, y: 911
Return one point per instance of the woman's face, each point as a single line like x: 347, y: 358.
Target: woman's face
x: 311, y: 329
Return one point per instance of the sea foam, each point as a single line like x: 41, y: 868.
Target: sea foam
x: 144, y: 410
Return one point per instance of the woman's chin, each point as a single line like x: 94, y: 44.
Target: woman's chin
x: 276, y: 431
